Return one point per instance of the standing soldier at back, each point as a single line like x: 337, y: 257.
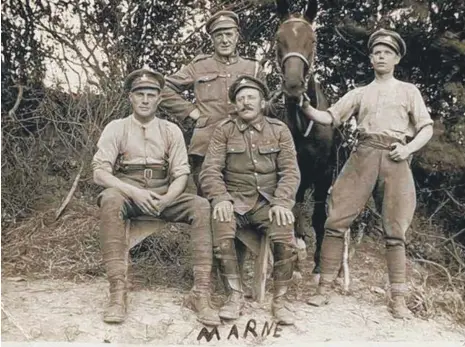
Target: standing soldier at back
x: 210, y: 76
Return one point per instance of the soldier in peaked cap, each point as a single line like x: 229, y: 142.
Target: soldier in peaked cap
x: 394, y: 123
x: 209, y: 76
x: 250, y: 175
x: 150, y: 180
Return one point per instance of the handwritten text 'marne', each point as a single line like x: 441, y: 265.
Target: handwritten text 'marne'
x: 251, y: 328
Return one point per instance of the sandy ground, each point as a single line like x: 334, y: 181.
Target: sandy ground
x: 65, y: 311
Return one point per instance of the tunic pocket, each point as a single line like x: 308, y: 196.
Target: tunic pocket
x: 269, y: 148
x: 208, y: 88
x: 233, y: 148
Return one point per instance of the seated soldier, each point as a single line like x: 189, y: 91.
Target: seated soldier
x: 250, y: 175
x: 151, y: 181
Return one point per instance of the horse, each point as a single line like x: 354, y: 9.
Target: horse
x: 295, y: 47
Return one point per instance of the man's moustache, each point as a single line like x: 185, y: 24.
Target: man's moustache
x: 246, y: 108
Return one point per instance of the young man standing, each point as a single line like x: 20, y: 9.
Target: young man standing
x: 388, y: 112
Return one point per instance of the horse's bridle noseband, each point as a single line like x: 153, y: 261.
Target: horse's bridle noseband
x: 296, y: 54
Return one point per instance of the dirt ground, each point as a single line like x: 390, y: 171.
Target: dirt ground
x: 53, y: 310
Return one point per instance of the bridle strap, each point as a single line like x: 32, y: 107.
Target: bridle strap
x: 298, y: 55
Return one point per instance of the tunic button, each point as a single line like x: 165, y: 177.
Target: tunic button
x: 256, y: 174
x: 253, y: 145
x: 251, y: 131
x: 255, y: 160
x: 229, y: 75
x: 258, y: 187
x: 232, y: 149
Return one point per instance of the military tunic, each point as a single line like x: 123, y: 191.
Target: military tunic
x: 210, y: 77
x: 255, y: 167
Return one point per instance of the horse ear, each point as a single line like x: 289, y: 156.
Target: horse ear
x: 282, y: 8
x: 311, y: 11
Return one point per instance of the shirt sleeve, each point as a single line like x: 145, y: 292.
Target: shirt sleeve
x: 211, y: 177
x: 108, y: 147
x: 418, y: 112
x: 177, y: 154
x: 345, y: 107
x: 171, y: 101
x: 288, y: 171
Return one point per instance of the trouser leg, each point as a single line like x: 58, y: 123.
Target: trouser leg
x: 114, y: 208
x: 348, y: 197
x: 398, y: 205
x: 195, y: 211
x: 284, y: 255
x: 225, y: 252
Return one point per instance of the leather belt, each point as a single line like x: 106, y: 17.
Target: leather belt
x: 154, y: 171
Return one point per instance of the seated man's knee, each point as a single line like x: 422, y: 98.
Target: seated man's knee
x: 225, y: 249
x: 111, y: 196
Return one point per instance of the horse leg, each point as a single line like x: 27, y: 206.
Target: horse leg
x: 319, y: 216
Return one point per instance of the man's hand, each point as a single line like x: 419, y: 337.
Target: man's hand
x: 195, y: 114
x: 399, y: 152
x: 224, y: 211
x: 147, y: 201
x: 283, y: 215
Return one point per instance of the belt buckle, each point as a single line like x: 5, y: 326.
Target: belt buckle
x: 148, y: 173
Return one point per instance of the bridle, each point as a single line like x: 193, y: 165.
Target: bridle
x: 307, y: 65
x: 297, y: 54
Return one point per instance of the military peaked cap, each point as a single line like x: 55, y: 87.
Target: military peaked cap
x: 222, y: 20
x: 144, y: 78
x: 389, y: 38
x: 246, y: 81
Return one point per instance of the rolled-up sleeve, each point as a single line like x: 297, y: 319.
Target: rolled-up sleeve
x: 177, y: 158
x: 345, y: 107
x: 418, y: 112
x: 171, y: 101
x: 107, y: 148
x: 288, y: 171
x: 211, y: 177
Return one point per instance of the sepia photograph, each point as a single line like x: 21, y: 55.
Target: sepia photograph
x: 227, y: 173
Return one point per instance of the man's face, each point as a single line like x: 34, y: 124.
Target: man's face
x: 249, y: 104
x: 225, y: 41
x: 383, y: 58
x: 144, y: 102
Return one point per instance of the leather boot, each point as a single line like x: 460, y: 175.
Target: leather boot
x: 200, y: 296
x: 232, y: 307
x: 200, y: 303
x: 229, y: 268
x: 282, y: 272
x: 115, y: 311
x: 331, y: 258
x: 399, y: 309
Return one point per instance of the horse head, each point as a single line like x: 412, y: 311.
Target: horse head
x: 295, y: 47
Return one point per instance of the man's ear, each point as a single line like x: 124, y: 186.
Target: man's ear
x: 263, y: 104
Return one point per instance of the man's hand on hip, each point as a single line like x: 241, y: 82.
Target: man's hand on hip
x: 399, y: 152
x: 195, y: 114
x: 283, y: 215
x: 223, y: 211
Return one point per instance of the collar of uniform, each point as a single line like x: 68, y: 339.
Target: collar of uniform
x: 232, y: 59
x: 258, y: 124
x: 143, y: 125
